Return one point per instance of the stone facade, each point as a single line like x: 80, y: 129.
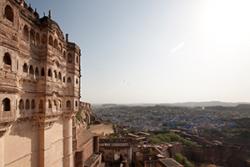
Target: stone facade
x: 40, y: 89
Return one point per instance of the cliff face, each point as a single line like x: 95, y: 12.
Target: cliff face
x: 220, y: 155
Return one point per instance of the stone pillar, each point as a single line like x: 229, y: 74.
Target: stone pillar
x: 41, y: 131
x: 67, y: 142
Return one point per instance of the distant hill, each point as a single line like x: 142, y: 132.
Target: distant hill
x: 184, y: 104
x: 205, y: 104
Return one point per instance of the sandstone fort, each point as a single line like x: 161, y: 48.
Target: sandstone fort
x: 40, y: 90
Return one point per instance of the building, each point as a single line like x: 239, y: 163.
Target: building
x: 116, y: 152
x: 85, y: 143
x: 154, y: 156
x: 40, y: 89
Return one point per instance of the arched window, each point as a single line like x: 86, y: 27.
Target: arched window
x: 55, y: 43
x: 27, y: 104
x: 50, y: 40
x: 68, y: 104
x: 33, y: 104
x: 25, y: 67
x: 60, y: 76
x: 21, y: 104
x: 76, y: 81
x: 41, y: 104
x: 44, y: 39
x: 49, y: 103
x: 42, y: 72
x: 8, y: 13
x: 69, y: 80
x: 7, y: 59
x: 55, y: 104
x: 60, y: 103
x: 55, y: 74
x: 76, y: 103
x: 70, y: 58
x: 57, y: 64
x: 37, y: 72
x: 6, y: 104
x: 37, y: 39
x: 31, y: 70
x: 32, y: 36
x: 49, y: 73
x: 26, y: 33
x: 64, y: 79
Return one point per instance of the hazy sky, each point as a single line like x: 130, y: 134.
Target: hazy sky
x: 154, y: 51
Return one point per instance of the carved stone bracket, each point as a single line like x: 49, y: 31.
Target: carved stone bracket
x: 68, y: 115
x: 4, y: 126
x: 44, y: 121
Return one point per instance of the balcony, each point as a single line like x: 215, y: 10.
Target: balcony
x: 6, y: 118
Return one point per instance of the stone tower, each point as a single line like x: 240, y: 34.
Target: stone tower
x: 39, y: 89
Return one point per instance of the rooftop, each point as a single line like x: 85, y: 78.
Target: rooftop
x: 170, y: 162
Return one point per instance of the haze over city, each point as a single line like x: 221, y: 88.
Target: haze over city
x: 148, y: 51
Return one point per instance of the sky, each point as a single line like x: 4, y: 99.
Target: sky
x: 158, y: 51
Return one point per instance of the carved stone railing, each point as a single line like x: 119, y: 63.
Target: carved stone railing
x: 6, y: 119
x: 7, y: 116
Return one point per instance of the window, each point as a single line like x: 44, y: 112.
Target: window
x: 21, y: 104
x: 49, y: 73
x: 50, y: 105
x: 25, y: 67
x: 41, y: 104
x: 7, y: 59
x: 9, y: 14
x: 55, y: 104
x: 33, y: 105
x: 27, y: 104
x: 64, y: 79
x: 44, y: 39
x: 57, y: 63
x: 37, y: 39
x: 69, y: 58
x: 76, y: 81
x: 42, y: 72
x: 37, y: 72
x: 60, y: 76
x: 68, y: 104
x: 60, y: 103
x: 6, y: 104
x: 31, y: 70
x: 76, y: 104
x: 26, y: 33
x: 32, y: 36
x: 50, y: 40
x: 55, y: 74
x: 56, y: 44
x: 69, y: 80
